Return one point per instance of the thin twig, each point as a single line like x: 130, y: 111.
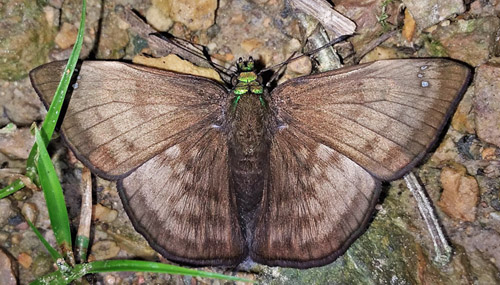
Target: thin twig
x: 83, y: 235
x: 373, y: 44
x: 332, y: 20
x: 163, y: 44
x: 441, y: 247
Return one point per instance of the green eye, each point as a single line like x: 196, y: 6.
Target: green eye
x: 250, y: 65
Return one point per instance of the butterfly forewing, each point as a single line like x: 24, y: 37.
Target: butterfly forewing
x: 383, y: 115
x: 121, y: 115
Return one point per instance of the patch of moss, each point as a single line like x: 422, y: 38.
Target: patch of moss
x: 435, y: 48
x: 139, y: 44
x: 26, y: 38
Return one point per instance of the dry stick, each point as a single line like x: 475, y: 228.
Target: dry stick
x: 83, y: 235
x: 441, y: 247
x: 159, y: 46
x: 373, y: 44
x: 336, y: 23
x: 162, y: 45
x: 330, y: 19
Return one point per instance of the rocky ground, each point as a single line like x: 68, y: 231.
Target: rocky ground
x: 462, y: 175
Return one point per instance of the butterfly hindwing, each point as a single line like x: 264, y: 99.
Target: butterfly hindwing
x: 383, y: 115
x: 190, y: 215
x: 316, y: 203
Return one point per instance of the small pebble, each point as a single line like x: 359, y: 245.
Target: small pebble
x: 15, y: 220
x: 460, y: 194
x: 15, y: 239
x: 103, y: 214
x: 158, y: 20
x: 30, y: 211
x: 66, y: 36
x: 22, y: 226
x: 103, y: 250
x: 25, y: 260
x: 5, y: 211
x: 489, y: 153
x: 110, y: 279
x: 16, y: 144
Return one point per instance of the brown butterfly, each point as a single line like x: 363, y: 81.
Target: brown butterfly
x: 212, y: 176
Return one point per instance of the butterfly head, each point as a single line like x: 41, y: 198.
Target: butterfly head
x: 246, y: 65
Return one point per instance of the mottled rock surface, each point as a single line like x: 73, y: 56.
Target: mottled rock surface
x: 25, y: 38
x: 430, y: 12
x: 20, y: 104
x: 103, y: 250
x: 487, y: 92
x: 8, y: 270
x: 196, y: 15
x: 16, y: 144
x: 471, y: 41
x: 460, y: 194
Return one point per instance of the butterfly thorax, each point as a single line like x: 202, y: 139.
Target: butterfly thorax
x: 247, y: 83
x: 248, y: 143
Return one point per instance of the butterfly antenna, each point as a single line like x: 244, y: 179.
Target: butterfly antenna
x: 279, y: 71
x: 200, y: 52
x: 330, y: 43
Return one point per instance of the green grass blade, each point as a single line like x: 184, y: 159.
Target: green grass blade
x: 148, y: 266
x: 53, y: 252
x: 82, y: 245
x: 54, y: 278
x: 128, y: 265
x: 52, y: 117
x: 13, y: 187
x: 54, y: 197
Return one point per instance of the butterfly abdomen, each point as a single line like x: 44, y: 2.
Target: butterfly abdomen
x: 248, y: 156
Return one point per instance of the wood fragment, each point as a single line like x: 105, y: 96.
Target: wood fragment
x: 330, y: 19
x: 83, y: 235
